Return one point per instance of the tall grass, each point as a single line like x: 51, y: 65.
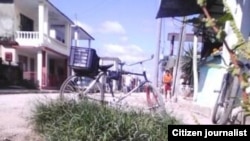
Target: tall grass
x: 87, y: 121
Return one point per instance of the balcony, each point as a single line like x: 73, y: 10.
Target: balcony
x: 27, y: 38
x: 32, y: 39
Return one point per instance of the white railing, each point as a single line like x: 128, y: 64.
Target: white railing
x: 31, y: 38
x: 31, y: 35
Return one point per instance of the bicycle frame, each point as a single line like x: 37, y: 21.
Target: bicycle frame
x: 136, y: 74
x: 134, y: 89
x: 94, y: 82
x: 103, y: 74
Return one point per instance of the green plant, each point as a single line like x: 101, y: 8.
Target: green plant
x: 187, y: 64
x: 85, y: 120
x: 236, y: 52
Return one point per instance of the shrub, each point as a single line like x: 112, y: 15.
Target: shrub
x: 88, y: 121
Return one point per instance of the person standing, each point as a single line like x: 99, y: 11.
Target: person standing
x: 167, y: 82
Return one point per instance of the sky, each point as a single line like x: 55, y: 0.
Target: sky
x: 127, y: 29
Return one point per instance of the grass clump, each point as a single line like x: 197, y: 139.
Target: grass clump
x: 88, y: 121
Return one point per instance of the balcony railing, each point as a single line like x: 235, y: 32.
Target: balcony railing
x: 31, y: 35
x: 32, y: 38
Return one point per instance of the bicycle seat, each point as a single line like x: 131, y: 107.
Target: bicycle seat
x: 105, y: 67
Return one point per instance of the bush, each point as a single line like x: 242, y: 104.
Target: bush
x: 28, y: 84
x: 87, y: 121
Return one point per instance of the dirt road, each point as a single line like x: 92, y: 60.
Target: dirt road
x: 15, y: 111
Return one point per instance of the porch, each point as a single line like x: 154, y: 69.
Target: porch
x: 42, y: 66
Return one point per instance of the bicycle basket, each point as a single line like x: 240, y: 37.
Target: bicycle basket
x: 84, y: 61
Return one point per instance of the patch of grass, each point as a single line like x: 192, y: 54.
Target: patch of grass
x: 88, y: 121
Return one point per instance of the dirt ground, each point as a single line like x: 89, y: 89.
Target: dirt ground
x: 15, y: 111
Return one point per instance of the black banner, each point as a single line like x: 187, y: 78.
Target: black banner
x: 208, y: 132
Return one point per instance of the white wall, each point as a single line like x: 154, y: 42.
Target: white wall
x: 209, y: 81
x: 240, y: 12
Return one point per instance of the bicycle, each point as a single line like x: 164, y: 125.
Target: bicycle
x: 227, y: 98
x: 75, y: 89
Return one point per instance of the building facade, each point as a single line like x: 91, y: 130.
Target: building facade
x: 43, y: 36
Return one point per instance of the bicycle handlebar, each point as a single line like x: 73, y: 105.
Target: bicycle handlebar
x: 240, y: 63
x: 140, y: 62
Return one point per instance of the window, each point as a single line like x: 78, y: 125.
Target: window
x: 26, y: 24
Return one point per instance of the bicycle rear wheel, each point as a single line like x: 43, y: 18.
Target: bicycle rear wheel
x: 156, y: 103
x: 230, y: 100
x: 78, y: 87
x: 218, y: 107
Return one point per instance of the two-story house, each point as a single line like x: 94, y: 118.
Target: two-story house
x: 43, y: 36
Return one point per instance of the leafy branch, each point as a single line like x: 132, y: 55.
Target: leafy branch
x: 239, y: 48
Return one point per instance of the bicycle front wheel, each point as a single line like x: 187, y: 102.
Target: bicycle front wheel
x: 230, y: 100
x: 155, y: 99
x: 78, y: 87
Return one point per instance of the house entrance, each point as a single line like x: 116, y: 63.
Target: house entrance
x: 57, y: 73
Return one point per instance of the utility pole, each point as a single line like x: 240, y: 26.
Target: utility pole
x: 195, y: 72
x: 181, y: 41
x: 157, y: 53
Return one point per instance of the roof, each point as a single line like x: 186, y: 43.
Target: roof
x: 180, y: 8
x: 82, y: 34
x: 60, y: 12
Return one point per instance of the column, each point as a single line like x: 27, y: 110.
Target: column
x: 46, y: 20
x: 76, y: 37
x: 39, y: 68
x: 115, y: 82
x: 66, y: 68
x: 68, y: 37
x: 41, y: 15
x: 44, y: 68
x: 89, y: 43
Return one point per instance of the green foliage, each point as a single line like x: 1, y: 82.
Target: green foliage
x: 202, y: 3
x: 224, y: 18
x: 88, y: 121
x: 209, y: 22
x: 244, y: 84
x: 187, y: 64
x: 221, y: 35
x: 236, y: 71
